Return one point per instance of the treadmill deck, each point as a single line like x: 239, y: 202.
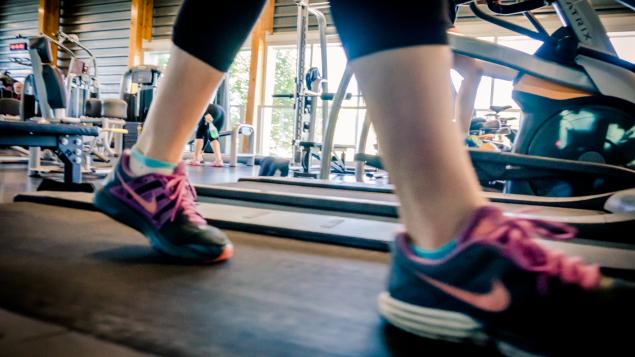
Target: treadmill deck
x: 82, y: 270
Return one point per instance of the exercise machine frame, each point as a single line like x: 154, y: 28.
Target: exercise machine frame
x: 595, y: 63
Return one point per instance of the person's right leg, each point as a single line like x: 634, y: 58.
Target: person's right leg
x: 495, y: 278
x: 148, y: 189
x: 218, y: 155
x: 445, y: 192
x: 407, y: 91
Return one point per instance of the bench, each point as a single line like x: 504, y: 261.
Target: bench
x: 64, y: 139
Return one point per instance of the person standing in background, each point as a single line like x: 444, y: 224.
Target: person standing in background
x: 207, y: 133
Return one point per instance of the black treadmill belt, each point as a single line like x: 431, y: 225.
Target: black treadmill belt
x: 593, y: 202
x: 310, y: 190
x: 591, y: 224
x: 276, y: 297
x: 378, y: 198
x: 284, y: 222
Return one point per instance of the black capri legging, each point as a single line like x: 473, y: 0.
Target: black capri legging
x: 218, y: 120
x: 214, y: 34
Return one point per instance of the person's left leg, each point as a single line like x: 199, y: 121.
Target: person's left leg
x: 171, y: 118
x: 198, y: 151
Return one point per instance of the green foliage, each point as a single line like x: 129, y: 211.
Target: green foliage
x: 281, y: 125
x: 238, y: 85
x: 239, y: 79
x: 282, y: 118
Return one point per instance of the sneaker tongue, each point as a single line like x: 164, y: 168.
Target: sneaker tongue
x: 482, y: 221
x: 180, y: 168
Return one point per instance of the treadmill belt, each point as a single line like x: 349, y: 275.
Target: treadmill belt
x: 285, y: 222
x: 309, y: 190
x: 378, y: 197
x: 591, y: 224
x: 84, y: 271
x: 593, y: 202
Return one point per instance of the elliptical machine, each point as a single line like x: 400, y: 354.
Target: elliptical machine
x: 578, y: 100
x: 562, y: 121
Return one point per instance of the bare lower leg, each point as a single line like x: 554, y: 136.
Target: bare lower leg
x: 172, y: 117
x: 472, y: 72
x: 435, y: 182
x: 218, y: 156
x: 198, y: 150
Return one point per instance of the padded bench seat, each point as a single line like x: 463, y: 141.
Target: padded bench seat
x: 32, y: 128
x: 65, y: 139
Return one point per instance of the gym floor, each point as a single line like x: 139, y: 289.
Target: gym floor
x: 24, y: 336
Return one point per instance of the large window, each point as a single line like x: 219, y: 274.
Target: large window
x: 238, y: 81
x: 276, y: 116
x: 623, y: 43
x: 157, y: 58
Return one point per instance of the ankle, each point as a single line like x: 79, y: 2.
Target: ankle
x: 436, y: 253
x: 141, y: 164
x: 436, y: 232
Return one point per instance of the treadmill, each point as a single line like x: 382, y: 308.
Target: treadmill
x: 602, y: 218
x: 336, y: 227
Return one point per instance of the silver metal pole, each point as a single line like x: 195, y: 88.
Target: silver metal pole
x: 321, y: 19
x: 360, y: 166
x: 329, y: 134
x: 298, y: 99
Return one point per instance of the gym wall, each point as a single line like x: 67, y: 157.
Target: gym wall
x: 17, y: 17
x: 164, y: 15
x: 104, y: 27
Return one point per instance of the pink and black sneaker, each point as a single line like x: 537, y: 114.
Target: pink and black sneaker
x: 500, y: 285
x: 162, y: 207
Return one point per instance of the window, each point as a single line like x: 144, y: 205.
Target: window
x: 238, y: 77
x: 157, y: 58
x: 276, y: 116
x: 276, y: 122
x: 238, y: 83
x: 623, y: 43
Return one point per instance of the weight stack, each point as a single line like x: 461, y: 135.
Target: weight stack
x: 131, y: 138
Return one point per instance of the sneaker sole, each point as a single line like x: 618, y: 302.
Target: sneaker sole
x: 431, y: 323
x: 441, y: 325
x: 120, y: 212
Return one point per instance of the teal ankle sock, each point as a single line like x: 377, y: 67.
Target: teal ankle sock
x: 437, y: 253
x: 141, y: 164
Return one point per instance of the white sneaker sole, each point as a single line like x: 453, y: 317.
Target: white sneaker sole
x: 440, y: 324
x: 431, y: 323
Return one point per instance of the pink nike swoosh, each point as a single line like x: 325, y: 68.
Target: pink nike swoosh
x: 496, y: 300
x: 150, y: 206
